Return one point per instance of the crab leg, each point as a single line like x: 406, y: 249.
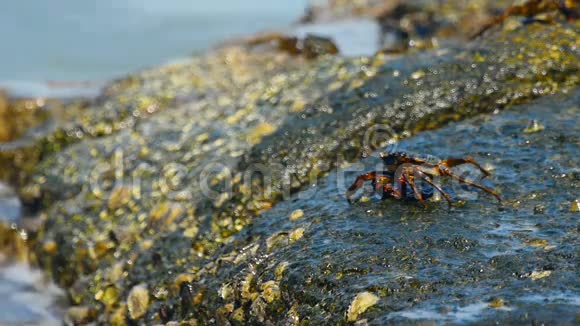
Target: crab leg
x: 446, y: 171
x: 427, y: 179
x: 467, y: 160
x: 410, y: 180
x: 379, y: 180
x: 360, y: 180
x: 399, y: 189
x: 382, y: 183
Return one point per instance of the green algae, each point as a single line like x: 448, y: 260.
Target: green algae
x: 129, y: 190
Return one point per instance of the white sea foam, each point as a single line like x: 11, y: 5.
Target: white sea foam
x: 26, y: 298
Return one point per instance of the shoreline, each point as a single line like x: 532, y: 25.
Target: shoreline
x: 142, y: 241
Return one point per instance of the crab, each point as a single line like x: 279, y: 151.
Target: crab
x: 402, y: 169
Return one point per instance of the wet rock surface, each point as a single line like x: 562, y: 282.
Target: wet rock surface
x: 479, y: 262
x: 157, y: 197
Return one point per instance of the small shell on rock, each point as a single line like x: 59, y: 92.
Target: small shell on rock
x: 119, y: 197
x: 536, y: 275
x: 238, y: 315
x: 278, y: 239
x: 190, y: 232
x: 418, y: 74
x: 258, y: 309
x: 497, y: 303
x: 533, y: 126
x: 537, y: 243
x: 292, y: 317
x: 138, y: 301
x: 296, y: 234
x: 246, y: 287
x: 360, y: 304
x: 226, y: 291
x: 78, y: 314
x: 297, y: 214
x: 50, y: 247
x: 280, y: 269
x: 115, y: 272
x: 118, y: 316
x: 261, y: 130
x: 108, y: 296
x: 575, y: 207
x: 270, y: 291
x: 160, y: 293
x: 246, y: 253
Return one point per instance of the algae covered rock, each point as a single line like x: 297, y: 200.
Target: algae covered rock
x: 21, y: 122
x: 166, y: 185
x: 412, y: 264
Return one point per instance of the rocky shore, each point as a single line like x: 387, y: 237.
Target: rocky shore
x: 211, y: 190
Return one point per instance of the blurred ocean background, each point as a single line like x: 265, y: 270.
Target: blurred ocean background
x: 71, y: 40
